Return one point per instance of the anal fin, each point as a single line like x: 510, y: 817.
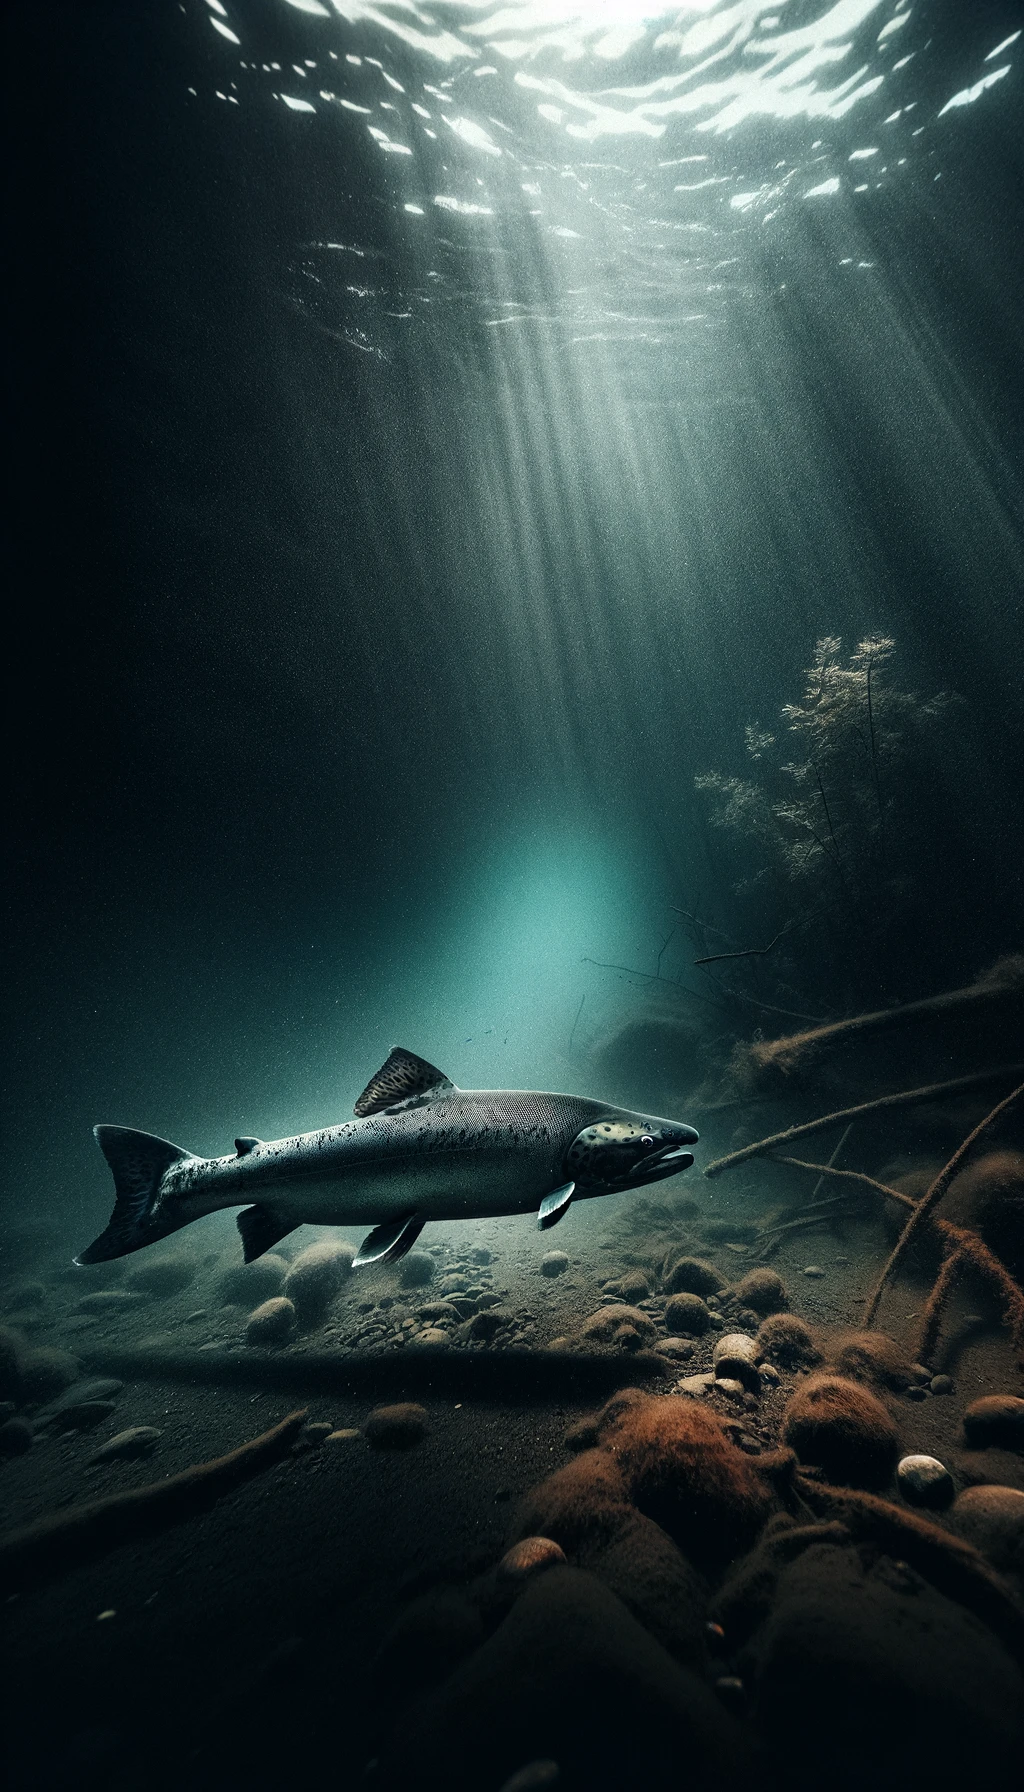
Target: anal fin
x: 260, y: 1228
x: 555, y: 1206
x: 386, y: 1243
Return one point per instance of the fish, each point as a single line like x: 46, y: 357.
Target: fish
x: 418, y: 1149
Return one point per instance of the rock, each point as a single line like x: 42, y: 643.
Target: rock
x: 814, y: 1270
x: 735, y: 1359
x: 941, y: 1384
x: 125, y: 1446
x: 315, y: 1276
x: 874, y: 1358
x: 247, y: 1284
x: 485, y: 1326
x: 15, y: 1437
x: 416, y: 1270
x: 996, y: 1419
x: 689, y: 1275
x: 429, y: 1337
x: 163, y: 1275
x: 787, y: 1340
x: 488, y: 1300
x: 924, y: 1481
x: 437, y: 1310
x: 695, y: 1385
x: 273, y: 1322
x: 480, y: 1254
x: 84, y: 1415
x: 687, y: 1313
x: 634, y: 1286
x: 536, y: 1776
x: 770, y: 1374
x: 554, y: 1263
x: 918, y: 1393
x: 111, y: 1300
x: 678, y: 1349
x: 345, y: 1435
x: 992, y: 1519
x: 532, y: 1555
x: 46, y: 1371
x: 453, y: 1284
x: 842, y: 1428
x: 625, y: 1327
x: 730, y: 1385
x: 398, y: 1427
x: 317, y: 1432
x: 101, y: 1388
x: 763, y: 1291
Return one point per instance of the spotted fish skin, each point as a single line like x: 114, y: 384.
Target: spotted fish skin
x: 434, y: 1152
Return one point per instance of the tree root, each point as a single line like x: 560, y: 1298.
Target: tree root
x: 81, y: 1533
x: 901, y: 1099
x: 933, y: 1196
x: 966, y: 1248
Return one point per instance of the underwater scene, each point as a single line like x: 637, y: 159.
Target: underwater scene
x: 512, y: 1225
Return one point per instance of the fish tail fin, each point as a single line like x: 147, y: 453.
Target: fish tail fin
x: 138, y: 1162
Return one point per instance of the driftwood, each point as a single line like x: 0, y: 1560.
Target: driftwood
x: 775, y: 1062
x: 81, y: 1533
x: 902, y: 1098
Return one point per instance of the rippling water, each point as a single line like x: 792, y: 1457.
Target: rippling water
x: 613, y: 170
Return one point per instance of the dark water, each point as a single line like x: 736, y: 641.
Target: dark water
x: 442, y: 435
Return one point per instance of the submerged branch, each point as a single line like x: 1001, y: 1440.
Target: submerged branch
x: 901, y: 1099
x: 748, y: 951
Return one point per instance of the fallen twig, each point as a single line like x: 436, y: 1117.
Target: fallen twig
x: 748, y: 951
x: 80, y: 1533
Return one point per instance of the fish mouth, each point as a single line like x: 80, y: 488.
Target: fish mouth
x: 666, y: 1162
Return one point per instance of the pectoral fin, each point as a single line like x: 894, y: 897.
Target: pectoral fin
x: 385, y: 1244
x: 555, y: 1206
x: 260, y: 1228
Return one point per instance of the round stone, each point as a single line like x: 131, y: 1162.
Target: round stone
x: 529, y: 1557
x: 924, y: 1481
x: 554, y: 1263
x: 396, y: 1427
x: 272, y: 1323
x: 429, y: 1337
x: 992, y: 1518
x: 998, y: 1420
x: 687, y: 1313
x: 941, y: 1384
x: 814, y: 1270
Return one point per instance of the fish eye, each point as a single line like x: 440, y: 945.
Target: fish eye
x: 646, y: 1140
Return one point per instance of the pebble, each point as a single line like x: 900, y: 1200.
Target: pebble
x: 529, y: 1557
x: 113, y: 1300
x: 924, y: 1481
x: 735, y: 1361
x: 918, y: 1393
x: 485, y: 1326
x: 344, y: 1435
x: 125, y: 1446
x: 317, y: 1433
x: 997, y: 1419
x: 919, y: 1375
x: 85, y: 1414
x: 429, y: 1337
x: 770, y: 1374
x: 941, y: 1384
x: 679, y: 1349
x: 397, y: 1427
x: 727, y: 1384
x: 554, y: 1263
x: 814, y: 1270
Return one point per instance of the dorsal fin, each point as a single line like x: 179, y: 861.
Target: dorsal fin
x: 402, y: 1079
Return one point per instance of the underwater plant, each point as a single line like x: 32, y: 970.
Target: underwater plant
x: 835, y: 811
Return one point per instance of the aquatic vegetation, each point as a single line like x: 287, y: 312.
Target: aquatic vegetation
x: 763, y: 1291
x: 873, y: 1358
x: 621, y: 1325
x: 784, y: 1338
x: 689, y: 1275
x: 832, y: 811
x: 687, y: 1315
